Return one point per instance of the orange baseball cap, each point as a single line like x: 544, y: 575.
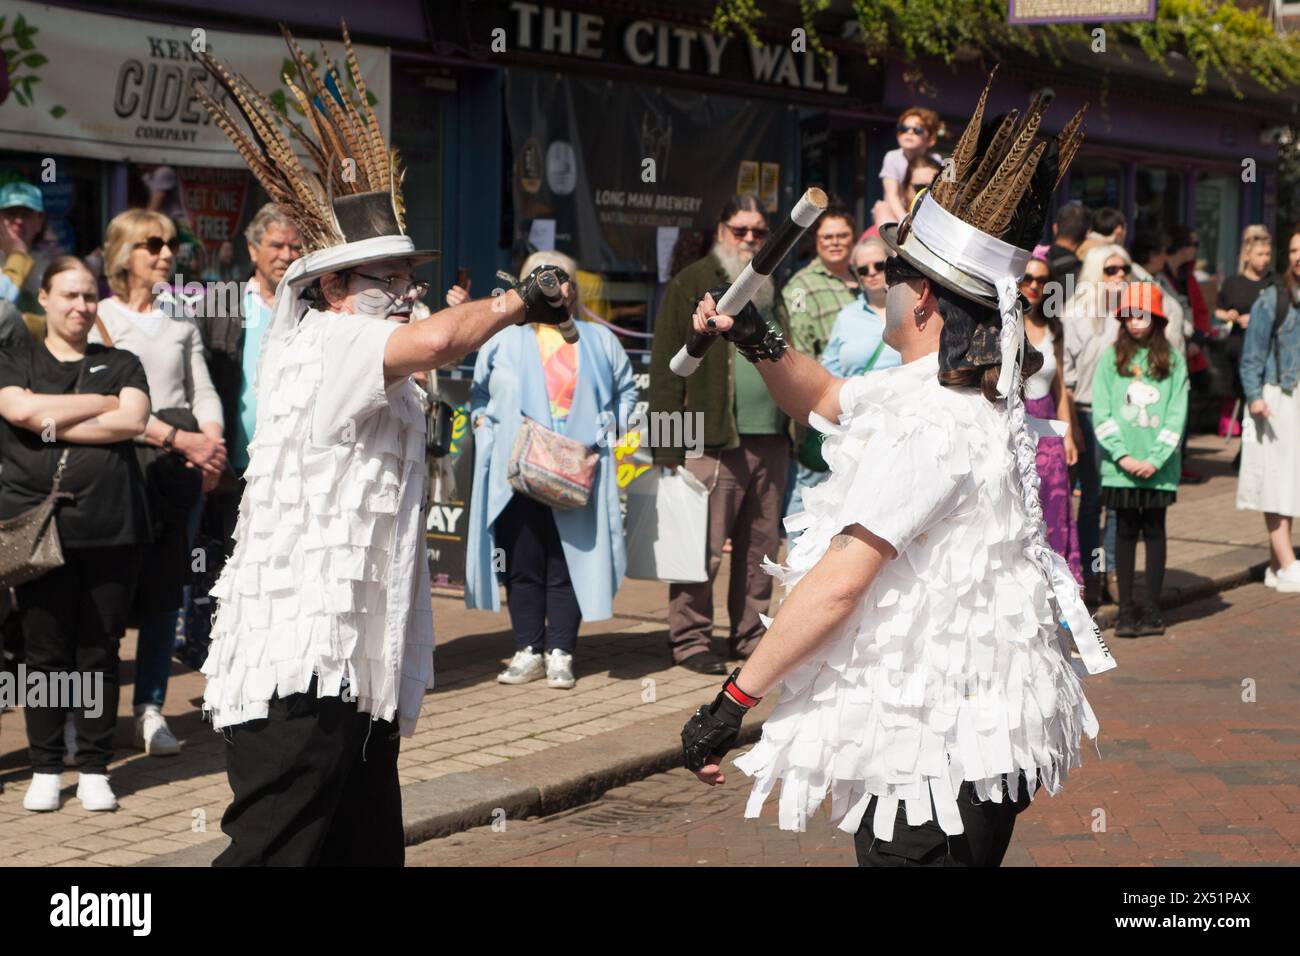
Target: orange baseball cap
x: 1141, y: 298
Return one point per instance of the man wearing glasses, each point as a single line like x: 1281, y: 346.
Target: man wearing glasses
x: 746, y: 445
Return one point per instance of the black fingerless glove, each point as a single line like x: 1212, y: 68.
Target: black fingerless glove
x: 754, y: 337
x: 714, y: 728
x: 538, y: 307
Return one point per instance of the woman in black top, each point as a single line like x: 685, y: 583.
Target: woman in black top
x: 74, y: 616
x: 1236, y: 296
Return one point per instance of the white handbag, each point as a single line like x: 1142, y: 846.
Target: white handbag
x: 668, y: 528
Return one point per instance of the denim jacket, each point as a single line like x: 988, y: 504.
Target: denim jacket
x: 1262, y: 365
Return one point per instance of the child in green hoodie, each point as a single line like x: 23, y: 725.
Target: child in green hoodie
x: 1139, y: 407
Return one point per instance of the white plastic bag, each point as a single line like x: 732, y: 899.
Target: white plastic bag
x: 668, y: 527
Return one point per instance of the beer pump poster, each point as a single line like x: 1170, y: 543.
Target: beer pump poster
x: 612, y: 164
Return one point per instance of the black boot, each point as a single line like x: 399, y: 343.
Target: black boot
x: 1127, y: 625
x: 1152, y: 622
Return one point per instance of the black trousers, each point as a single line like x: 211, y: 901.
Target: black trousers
x: 73, y: 619
x: 315, y: 784
x: 1149, y: 524
x: 988, y: 827
x: 543, y: 607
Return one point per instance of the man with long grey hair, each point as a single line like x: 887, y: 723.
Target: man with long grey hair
x: 746, y: 445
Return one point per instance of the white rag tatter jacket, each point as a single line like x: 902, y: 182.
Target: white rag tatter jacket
x: 951, y: 669
x: 328, y: 576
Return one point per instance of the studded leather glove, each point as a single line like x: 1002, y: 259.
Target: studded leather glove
x: 714, y: 728
x: 541, y: 294
x: 754, y: 337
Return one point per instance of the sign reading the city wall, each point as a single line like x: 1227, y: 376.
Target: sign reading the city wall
x: 1079, y: 11
x: 84, y: 84
x: 690, y: 52
x: 600, y: 169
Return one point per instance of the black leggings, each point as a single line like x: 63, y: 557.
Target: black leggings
x: 73, y: 618
x: 1149, y: 523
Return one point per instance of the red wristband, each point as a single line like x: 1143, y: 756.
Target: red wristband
x: 732, y: 690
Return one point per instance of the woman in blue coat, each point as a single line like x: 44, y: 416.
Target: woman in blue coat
x: 559, y: 567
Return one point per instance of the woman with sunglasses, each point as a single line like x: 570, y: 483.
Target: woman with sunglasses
x: 182, y: 449
x: 917, y: 132
x: 1047, y: 397
x: 857, y: 342
x: 1105, y: 271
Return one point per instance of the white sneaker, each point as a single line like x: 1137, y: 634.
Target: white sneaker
x: 43, y: 794
x: 153, y: 734
x: 94, y: 792
x: 1288, y: 579
x: 525, y: 666
x: 559, y: 669
x: 69, y: 742
x: 1270, y: 577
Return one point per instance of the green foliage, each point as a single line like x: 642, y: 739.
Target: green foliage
x: 1216, y: 36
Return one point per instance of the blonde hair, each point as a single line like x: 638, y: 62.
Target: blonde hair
x: 1251, y: 238
x: 560, y: 260
x: 124, y: 231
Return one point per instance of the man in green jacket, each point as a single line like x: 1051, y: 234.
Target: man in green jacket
x: 746, y: 446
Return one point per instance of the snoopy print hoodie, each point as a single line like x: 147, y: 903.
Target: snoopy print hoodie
x: 1136, y: 414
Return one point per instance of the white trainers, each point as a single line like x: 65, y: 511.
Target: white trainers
x: 153, y: 734
x: 525, y: 666
x: 559, y: 669
x: 1270, y: 577
x: 94, y: 792
x: 69, y: 742
x: 43, y: 794
x: 1288, y: 579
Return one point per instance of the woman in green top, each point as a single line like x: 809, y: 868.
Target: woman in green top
x: 1139, y: 406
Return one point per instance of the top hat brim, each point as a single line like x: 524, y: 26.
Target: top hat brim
x: 416, y: 257
x: 915, y: 253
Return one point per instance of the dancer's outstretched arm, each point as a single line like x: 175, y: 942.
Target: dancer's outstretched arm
x: 811, y: 615
x: 797, y: 382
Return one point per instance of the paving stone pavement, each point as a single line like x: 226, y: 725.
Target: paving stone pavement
x: 1192, y: 772
x: 469, y: 720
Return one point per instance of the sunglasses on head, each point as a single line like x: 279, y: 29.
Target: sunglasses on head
x: 1118, y: 270
x: 758, y: 232
x: 870, y: 268
x: 155, y: 244
x: 904, y: 128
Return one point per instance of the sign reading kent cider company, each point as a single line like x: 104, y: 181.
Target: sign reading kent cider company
x: 86, y: 84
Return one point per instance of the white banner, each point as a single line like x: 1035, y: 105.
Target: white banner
x: 84, y: 84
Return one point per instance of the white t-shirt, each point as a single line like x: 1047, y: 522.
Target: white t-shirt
x: 329, y: 575
x: 951, y: 668
x: 894, y: 165
x: 1040, y: 383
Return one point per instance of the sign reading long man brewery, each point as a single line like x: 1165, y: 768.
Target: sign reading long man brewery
x: 84, y: 84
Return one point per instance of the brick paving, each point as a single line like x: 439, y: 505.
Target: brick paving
x: 469, y: 720
x: 1191, y: 774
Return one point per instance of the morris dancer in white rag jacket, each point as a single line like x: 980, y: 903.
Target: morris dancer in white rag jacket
x: 926, y: 683
x: 322, y: 643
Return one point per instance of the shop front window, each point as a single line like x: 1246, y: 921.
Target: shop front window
x: 1097, y: 182
x: 1218, y: 197
x: 1159, y: 199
